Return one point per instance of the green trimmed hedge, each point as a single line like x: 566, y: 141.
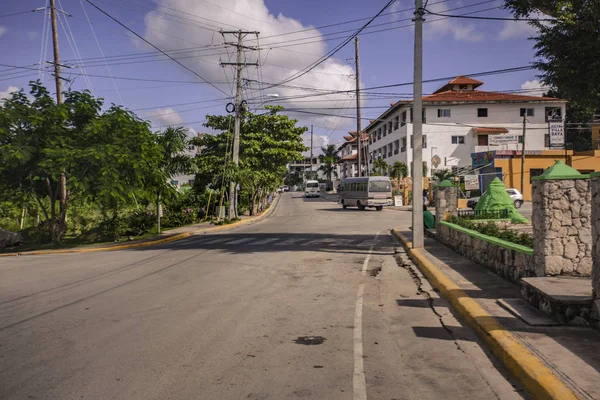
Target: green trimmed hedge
x: 492, y: 229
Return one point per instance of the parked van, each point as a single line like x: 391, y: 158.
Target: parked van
x: 368, y: 191
x: 312, y: 189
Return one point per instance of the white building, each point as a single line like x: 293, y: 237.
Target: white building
x: 180, y: 180
x: 459, y: 120
x: 303, y: 168
x: 349, y: 155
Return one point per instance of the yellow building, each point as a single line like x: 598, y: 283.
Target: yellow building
x: 506, y: 165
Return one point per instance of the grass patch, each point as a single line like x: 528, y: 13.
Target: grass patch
x: 493, y: 230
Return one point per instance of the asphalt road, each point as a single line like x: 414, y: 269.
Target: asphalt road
x: 310, y: 303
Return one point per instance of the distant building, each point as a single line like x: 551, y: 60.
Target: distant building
x: 459, y: 120
x: 349, y: 155
x: 304, y: 169
x: 180, y: 180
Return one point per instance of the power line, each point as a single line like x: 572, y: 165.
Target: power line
x: 492, y: 18
x: 148, y: 42
x: 17, y: 13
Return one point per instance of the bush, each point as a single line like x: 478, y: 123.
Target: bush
x: 491, y: 229
x: 140, y: 222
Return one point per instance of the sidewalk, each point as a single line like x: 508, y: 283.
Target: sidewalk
x: 571, y: 353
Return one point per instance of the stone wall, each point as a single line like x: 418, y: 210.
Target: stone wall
x: 446, y: 201
x: 562, y: 228
x: 510, y: 264
x: 595, y: 186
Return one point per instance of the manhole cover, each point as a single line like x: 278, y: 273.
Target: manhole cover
x: 310, y: 340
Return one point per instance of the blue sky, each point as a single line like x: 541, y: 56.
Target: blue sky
x: 157, y: 88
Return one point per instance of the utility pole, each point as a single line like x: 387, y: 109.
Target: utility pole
x: 417, y: 173
x: 238, y: 112
x: 62, y: 184
x: 523, y: 155
x: 358, y: 127
x: 311, y: 151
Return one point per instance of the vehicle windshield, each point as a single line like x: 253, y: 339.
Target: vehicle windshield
x: 312, y: 185
x: 379, y: 186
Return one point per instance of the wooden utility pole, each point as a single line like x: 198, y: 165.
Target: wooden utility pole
x: 417, y: 172
x: 56, y: 54
x: 358, y: 125
x: 238, y: 112
x: 523, y: 154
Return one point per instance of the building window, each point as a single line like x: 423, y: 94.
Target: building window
x: 520, y: 139
x: 423, y: 115
x: 424, y: 137
x: 482, y: 112
x: 463, y: 87
x: 443, y: 113
x: 547, y: 140
x: 390, y: 126
x: 458, y: 140
x: 482, y: 140
x: 390, y: 150
x: 403, y: 148
x: 396, y: 122
x: 551, y: 112
x: 379, y: 134
x: 533, y: 172
x: 527, y: 111
x: 403, y: 122
x: 384, y: 130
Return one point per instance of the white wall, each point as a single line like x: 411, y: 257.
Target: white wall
x: 439, y: 131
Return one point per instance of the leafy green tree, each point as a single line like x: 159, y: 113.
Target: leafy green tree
x: 443, y: 175
x: 329, y: 159
x: 398, y: 170
x: 268, y: 141
x: 101, y: 156
x: 566, y: 51
x: 380, y: 167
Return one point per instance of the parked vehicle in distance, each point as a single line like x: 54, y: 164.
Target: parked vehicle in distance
x: 285, y: 188
x: 368, y: 191
x: 311, y: 189
x: 514, y: 194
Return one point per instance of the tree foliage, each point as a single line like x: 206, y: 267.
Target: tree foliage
x: 268, y: 141
x: 380, y: 167
x: 398, y: 170
x: 567, y: 50
x: 329, y: 159
x: 103, y: 156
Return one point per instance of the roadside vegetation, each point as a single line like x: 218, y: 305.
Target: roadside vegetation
x: 490, y: 228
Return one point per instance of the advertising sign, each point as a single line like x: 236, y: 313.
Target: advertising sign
x: 471, y: 182
x: 397, y: 201
x: 498, y: 140
x: 557, y: 133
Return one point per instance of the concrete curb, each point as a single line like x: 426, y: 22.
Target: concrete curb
x: 153, y: 242
x: 535, y: 376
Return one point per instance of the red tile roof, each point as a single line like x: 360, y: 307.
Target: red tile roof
x: 465, y: 80
x: 490, y: 130
x: 349, y: 137
x: 478, y: 96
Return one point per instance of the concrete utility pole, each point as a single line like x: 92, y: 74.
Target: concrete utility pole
x: 238, y: 112
x: 358, y: 125
x: 311, y: 151
x: 62, y: 185
x: 523, y: 155
x: 417, y: 173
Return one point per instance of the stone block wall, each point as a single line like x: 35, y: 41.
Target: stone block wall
x: 510, y: 264
x: 595, y: 186
x: 446, y: 201
x: 562, y: 228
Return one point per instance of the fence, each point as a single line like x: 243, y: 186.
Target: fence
x: 483, y: 214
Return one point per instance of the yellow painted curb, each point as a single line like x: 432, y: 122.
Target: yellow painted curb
x: 149, y: 243
x: 535, y: 376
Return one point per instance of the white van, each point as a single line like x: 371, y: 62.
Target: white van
x: 372, y: 191
x: 312, y: 189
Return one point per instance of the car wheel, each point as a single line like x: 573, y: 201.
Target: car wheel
x: 518, y: 203
x: 360, y: 206
x: 379, y: 208
x: 344, y: 206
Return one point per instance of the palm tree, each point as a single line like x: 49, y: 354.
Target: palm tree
x: 173, y: 143
x: 329, y: 160
x: 443, y: 175
x: 398, y: 170
x: 425, y: 169
x: 380, y: 166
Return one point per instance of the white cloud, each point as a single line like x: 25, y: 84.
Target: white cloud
x: 281, y: 63
x: 165, y: 116
x: 516, y: 30
x: 394, y: 8
x: 32, y: 36
x: 3, y: 30
x: 534, y: 88
x: 6, y: 93
x: 459, y: 30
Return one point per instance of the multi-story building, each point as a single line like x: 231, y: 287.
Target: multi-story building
x: 305, y: 169
x: 349, y: 155
x: 458, y: 120
x: 187, y: 179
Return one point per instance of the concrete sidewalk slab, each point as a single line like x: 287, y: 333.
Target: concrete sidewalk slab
x: 562, y: 362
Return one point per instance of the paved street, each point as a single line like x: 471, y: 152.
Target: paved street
x: 310, y: 303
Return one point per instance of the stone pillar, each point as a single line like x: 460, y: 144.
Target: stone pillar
x: 595, y: 185
x: 562, y: 229
x: 446, y: 200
